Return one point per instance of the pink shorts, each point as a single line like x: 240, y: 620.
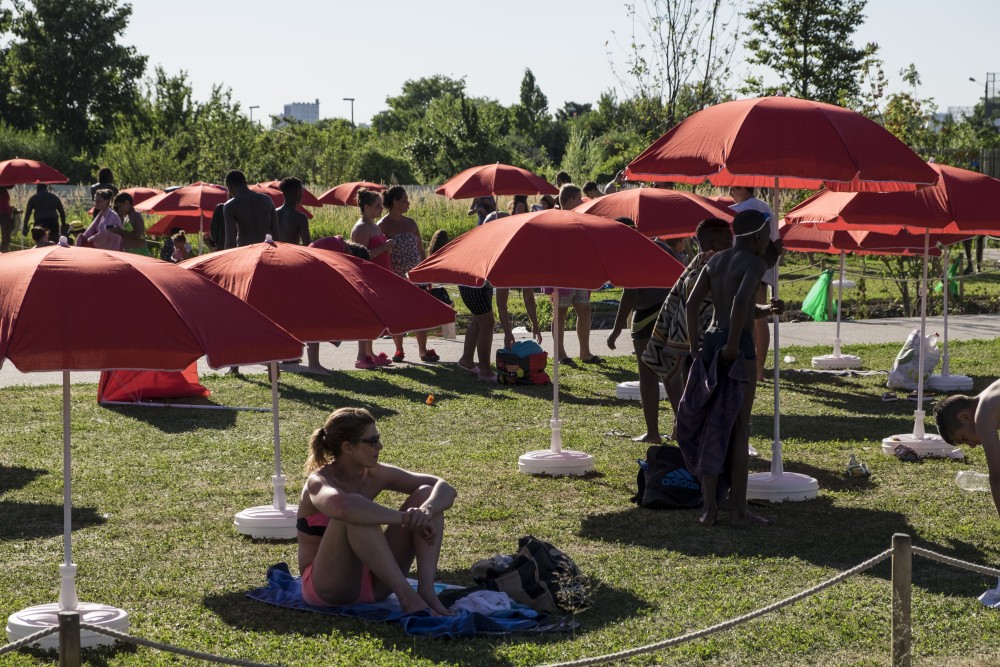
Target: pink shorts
x: 310, y: 595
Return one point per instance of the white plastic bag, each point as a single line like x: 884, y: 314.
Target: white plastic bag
x: 906, y: 367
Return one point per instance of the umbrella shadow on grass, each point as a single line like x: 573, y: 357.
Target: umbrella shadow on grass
x: 29, y: 521
x: 180, y: 420
x: 17, y: 477
x: 816, y: 531
x: 823, y: 428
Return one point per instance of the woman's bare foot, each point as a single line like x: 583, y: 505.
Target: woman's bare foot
x: 709, y: 518
x: 411, y: 602
x: 316, y: 370
x: 652, y: 438
x: 747, y: 518
x: 433, y: 603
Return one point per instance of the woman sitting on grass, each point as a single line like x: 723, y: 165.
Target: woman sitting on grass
x: 344, y: 555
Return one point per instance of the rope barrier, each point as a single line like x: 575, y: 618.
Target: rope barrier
x: 620, y: 655
x: 139, y: 641
x: 726, y: 625
x: 955, y: 562
x: 30, y: 639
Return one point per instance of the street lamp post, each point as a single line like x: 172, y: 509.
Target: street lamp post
x: 351, y: 100
x: 252, y: 107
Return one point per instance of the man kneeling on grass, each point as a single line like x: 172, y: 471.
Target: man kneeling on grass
x: 972, y: 421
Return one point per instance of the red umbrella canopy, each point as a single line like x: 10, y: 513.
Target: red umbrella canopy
x: 961, y: 201
x: 140, y: 195
x: 308, y: 198
x: 801, y: 143
x: 24, y: 172
x: 658, y: 212
x: 495, y: 179
x: 361, y: 300
x: 188, y: 223
x: 346, y: 194
x: 809, y: 238
x: 68, y: 308
x: 554, y: 248
x: 195, y: 199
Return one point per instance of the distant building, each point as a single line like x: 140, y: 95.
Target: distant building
x: 307, y: 112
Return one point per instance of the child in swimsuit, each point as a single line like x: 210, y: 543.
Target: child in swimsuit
x: 345, y: 555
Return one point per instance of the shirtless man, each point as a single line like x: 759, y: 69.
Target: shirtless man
x: 972, y: 421
x: 249, y: 215
x: 731, y: 277
x: 293, y: 225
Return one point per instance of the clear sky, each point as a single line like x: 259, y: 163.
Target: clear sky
x: 272, y: 53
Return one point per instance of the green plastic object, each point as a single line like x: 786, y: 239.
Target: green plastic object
x: 816, y: 304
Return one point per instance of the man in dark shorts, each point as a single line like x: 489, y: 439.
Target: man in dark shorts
x: 48, y: 211
x: 249, y: 215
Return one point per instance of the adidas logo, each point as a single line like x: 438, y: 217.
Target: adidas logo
x: 681, y: 478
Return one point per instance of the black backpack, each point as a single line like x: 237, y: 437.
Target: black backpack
x: 664, y: 483
x: 538, y: 575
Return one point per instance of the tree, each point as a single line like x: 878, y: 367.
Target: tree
x: 67, y: 71
x: 683, y: 54
x: 531, y: 114
x: 808, y: 43
x: 413, y: 102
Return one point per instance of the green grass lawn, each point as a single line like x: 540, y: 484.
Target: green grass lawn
x: 155, y: 492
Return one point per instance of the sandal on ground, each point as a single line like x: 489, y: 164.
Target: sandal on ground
x: 594, y: 359
x: 468, y: 369
x: 398, y: 357
x: 487, y: 378
x: 431, y: 356
x: 381, y: 359
x: 368, y: 363
x: 566, y: 361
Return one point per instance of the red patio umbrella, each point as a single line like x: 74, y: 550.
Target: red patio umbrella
x: 658, y: 212
x: 960, y: 202
x: 189, y: 224
x: 346, y: 194
x: 145, y: 314
x: 140, y: 194
x: 363, y: 302
x: 560, y: 248
x: 197, y: 199
x: 809, y: 238
x: 26, y: 172
x: 495, y: 179
x: 308, y: 198
x: 782, y: 142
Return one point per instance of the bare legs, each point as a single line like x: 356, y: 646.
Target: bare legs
x: 737, y: 461
x: 346, y: 547
x: 583, y: 315
x: 312, y: 360
x: 479, y: 342
x: 649, y: 394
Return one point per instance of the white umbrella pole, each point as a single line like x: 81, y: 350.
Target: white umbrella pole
x: 68, y: 600
x: 918, y: 414
x: 777, y: 468
x: 840, y: 300
x: 278, y: 479
x: 555, y: 424
x: 944, y: 281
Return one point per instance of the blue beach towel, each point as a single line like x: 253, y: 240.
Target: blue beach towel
x: 284, y: 590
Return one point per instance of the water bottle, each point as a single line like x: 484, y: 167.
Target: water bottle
x: 970, y: 480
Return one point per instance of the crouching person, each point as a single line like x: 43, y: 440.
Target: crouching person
x: 345, y: 555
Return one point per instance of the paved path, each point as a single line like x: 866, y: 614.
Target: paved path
x: 890, y: 330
